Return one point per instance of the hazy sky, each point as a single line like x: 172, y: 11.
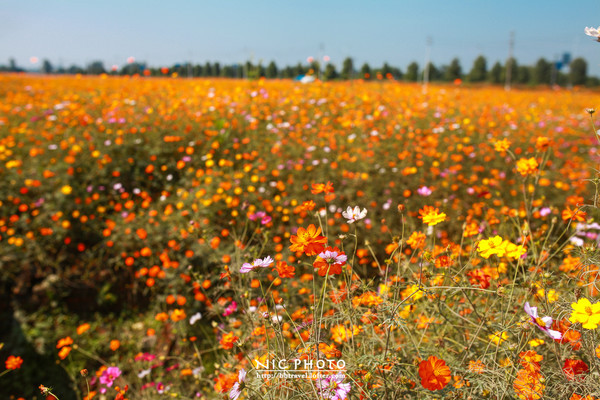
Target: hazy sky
x: 286, y: 31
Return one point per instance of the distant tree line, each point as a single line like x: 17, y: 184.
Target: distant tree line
x: 543, y: 72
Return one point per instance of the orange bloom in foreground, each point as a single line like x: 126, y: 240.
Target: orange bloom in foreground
x: 64, y: 352
x: 576, y: 214
x: 64, y: 342
x: 284, y: 270
x: 434, y: 373
x: 527, y: 385
x: 82, y: 328
x: 309, y: 241
x: 13, y: 362
x: 322, y: 188
x: 114, y: 344
x: 228, y: 340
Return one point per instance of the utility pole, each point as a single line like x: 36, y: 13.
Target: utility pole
x: 427, y: 62
x: 509, y: 61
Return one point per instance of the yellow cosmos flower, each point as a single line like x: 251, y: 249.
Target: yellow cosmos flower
x: 494, y: 245
x: 586, y: 313
x: 527, y: 166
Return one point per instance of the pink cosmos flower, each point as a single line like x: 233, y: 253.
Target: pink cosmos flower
x: 543, y: 323
x: 230, y: 309
x: 109, y: 375
x: 262, y: 263
x: 237, y: 387
x: 332, y: 387
x: 424, y: 191
x: 333, y: 257
x: 264, y: 218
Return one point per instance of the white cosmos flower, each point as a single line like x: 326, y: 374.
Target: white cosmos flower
x: 194, y: 318
x: 593, y: 32
x: 354, y: 214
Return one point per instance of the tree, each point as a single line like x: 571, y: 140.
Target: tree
x: 330, y: 72
x: 96, y: 68
x: 396, y: 73
x: 434, y: 73
x: 412, y: 72
x: 495, y: 74
x: 217, y: 69
x: 542, y: 72
x: 578, y: 71
x: 478, y: 72
x: 348, y: 68
x: 523, y: 74
x: 47, y: 67
x: 365, y: 71
x: 453, y: 71
x: 272, y: 71
x: 208, y: 69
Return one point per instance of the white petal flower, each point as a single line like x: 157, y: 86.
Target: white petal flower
x: 354, y: 214
x: 593, y: 32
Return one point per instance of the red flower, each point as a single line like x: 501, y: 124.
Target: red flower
x: 13, y: 362
x: 434, y: 373
x: 573, y: 368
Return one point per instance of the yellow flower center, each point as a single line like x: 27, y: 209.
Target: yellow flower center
x: 588, y: 310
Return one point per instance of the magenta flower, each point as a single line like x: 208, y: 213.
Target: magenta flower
x: 264, y: 218
x: 543, y: 323
x: 230, y: 309
x: 109, y: 375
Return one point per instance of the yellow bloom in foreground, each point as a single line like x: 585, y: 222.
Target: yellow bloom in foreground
x: 494, y: 245
x: 501, y: 145
x: 498, y: 337
x: 586, y: 313
x: 527, y: 166
x: 66, y: 190
x: 431, y: 216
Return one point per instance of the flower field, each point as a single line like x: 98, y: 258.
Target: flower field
x: 210, y: 239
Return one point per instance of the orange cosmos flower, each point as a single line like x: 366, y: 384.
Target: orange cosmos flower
x: 284, y: 270
x: 228, y: 340
x: 477, y: 367
x: 431, y: 216
x: 528, y: 386
x: 177, y: 315
x: 434, y: 373
x: 114, y: 345
x: 64, y: 352
x: 13, y: 362
x: 322, y: 188
x: 307, y: 205
x: 575, y: 215
x: 82, y: 328
x: 64, y: 342
x: 309, y: 241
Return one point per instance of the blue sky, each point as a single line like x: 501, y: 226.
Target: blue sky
x: 286, y: 31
